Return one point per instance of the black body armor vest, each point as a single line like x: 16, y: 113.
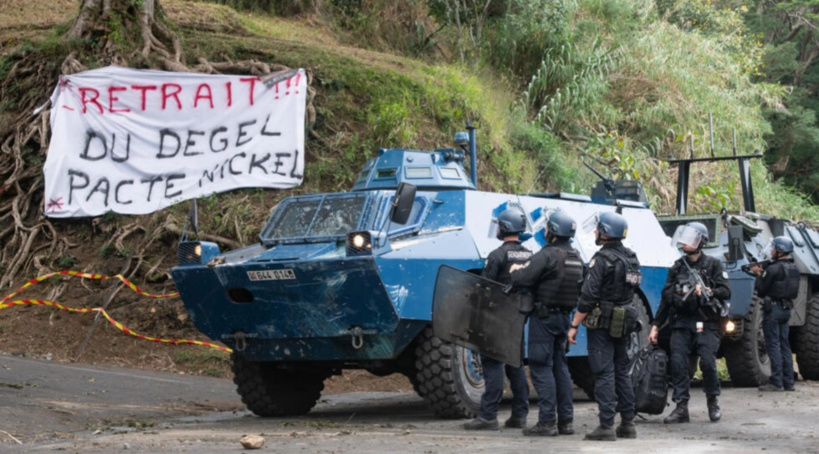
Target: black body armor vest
x: 786, y: 285
x: 562, y: 291
x: 620, y: 288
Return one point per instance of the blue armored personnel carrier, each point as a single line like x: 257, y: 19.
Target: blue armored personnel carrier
x: 738, y: 239
x: 345, y: 280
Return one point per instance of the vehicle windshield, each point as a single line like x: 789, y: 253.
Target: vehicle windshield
x: 315, y: 216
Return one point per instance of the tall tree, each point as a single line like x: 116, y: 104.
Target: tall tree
x: 790, y: 30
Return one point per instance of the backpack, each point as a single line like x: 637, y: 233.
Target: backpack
x: 649, y: 376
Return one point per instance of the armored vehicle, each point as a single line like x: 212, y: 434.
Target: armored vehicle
x: 737, y: 240
x: 345, y: 280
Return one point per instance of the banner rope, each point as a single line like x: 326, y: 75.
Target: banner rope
x: 122, y: 278
x: 119, y: 326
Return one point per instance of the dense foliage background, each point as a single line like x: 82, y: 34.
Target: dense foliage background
x: 622, y: 84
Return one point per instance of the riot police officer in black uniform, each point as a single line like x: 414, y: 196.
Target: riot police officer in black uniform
x: 778, y: 284
x: 554, y: 275
x: 511, y: 222
x: 695, y: 319
x: 605, y: 299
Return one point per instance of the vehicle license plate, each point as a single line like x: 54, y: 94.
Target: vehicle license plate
x: 271, y: 275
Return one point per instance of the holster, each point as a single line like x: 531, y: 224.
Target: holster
x: 600, y: 316
x: 766, y: 304
x: 525, y: 303
x: 541, y: 310
x: 592, y: 319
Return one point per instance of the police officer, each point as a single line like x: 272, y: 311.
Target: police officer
x: 609, y: 288
x: 554, y: 275
x: 511, y: 222
x: 778, y: 284
x: 695, y: 319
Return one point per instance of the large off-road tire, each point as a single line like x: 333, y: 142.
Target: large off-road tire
x: 448, y: 377
x: 746, y: 357
x: 806, y: 341
x: 579, y: 367
x: 268, y: 391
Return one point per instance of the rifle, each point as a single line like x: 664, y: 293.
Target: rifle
x: 747, y: 268
x: 707, y: 296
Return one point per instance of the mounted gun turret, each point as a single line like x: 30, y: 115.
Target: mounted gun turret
x: 613, y: 192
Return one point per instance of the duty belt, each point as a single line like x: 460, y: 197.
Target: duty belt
x: 557, y: 309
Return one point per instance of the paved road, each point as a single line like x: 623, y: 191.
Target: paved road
x: 96, y: 410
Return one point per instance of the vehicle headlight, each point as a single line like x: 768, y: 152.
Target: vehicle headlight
x: 358, y: 240
x: 359, y: 243
x: 196, y: 252
x: 730, y: 326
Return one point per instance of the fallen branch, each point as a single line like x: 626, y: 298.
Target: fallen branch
x: 173, y: 228
x: 12, y: 437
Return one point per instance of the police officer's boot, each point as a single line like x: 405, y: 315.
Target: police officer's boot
x: 515, y: 422
x: 565, y: 427
x: 770, y: 387
x: 714, y: 411
x: 602, y: 433
x: 680, y: 414
x: 541, y: 429
x: 481, y: 424
x: 627, y: 429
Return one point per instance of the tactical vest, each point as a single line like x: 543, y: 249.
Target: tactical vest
x: 786, y: 285
x: 620, y: 288
x: 514, y: 253
x: 562, y: 291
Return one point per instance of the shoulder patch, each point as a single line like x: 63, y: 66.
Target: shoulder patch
x: 591, y: 264
x: 518, y: 256
x: 725, y: 274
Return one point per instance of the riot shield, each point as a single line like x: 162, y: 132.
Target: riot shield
x: 473, y: 312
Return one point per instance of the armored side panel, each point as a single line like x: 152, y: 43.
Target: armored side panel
x: 473, y: 312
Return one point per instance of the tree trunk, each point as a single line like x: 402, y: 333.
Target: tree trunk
x: 120, y: 23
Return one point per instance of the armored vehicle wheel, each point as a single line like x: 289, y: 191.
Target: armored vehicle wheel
x: 747, y: 357
x: 806, y: 342
x: 579, y: 367
x: 639, y: 339
x: 268, y: 391
x: 448, y: 377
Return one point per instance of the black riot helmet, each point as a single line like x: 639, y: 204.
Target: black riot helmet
x: 510, y: 222
x: 612, y: 225
x: 783, y: 245
x: 692, y: 235
x: 561, y: 225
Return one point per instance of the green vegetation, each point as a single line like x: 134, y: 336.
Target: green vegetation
x: 622, y: 84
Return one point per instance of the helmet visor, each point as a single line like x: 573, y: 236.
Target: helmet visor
x: 767, y: 252
x: 591, y: 222
x: 686, y: 236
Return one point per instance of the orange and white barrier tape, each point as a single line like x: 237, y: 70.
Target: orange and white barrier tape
x: 113, y: 322
x: 87, y: 276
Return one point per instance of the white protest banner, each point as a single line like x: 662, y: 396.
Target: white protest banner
x: 135, y: 141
